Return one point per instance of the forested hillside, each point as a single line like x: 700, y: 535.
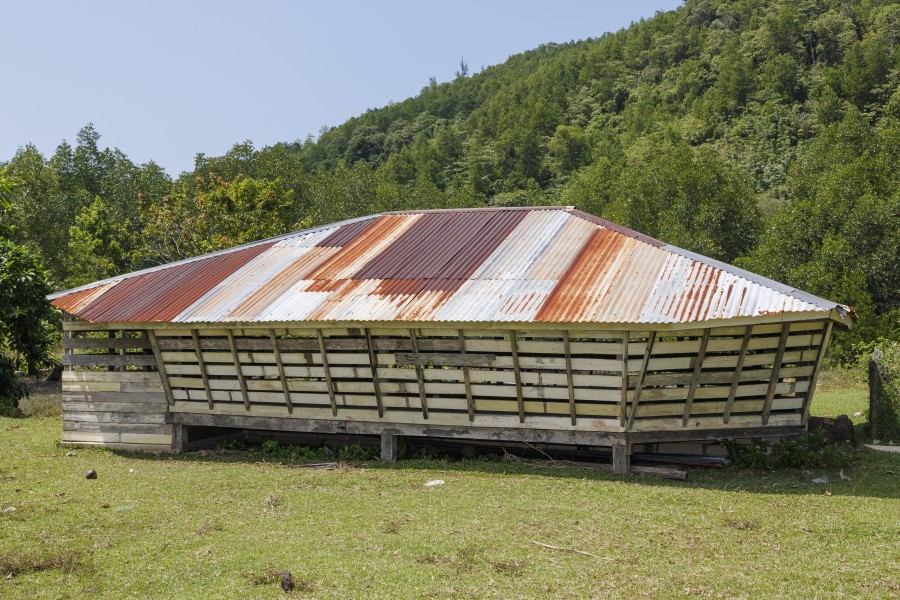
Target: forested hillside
x: 765, y: 133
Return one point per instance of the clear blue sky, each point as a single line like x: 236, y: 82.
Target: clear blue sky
x: 164, y: 80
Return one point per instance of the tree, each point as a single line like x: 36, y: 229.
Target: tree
x: 26, y: 317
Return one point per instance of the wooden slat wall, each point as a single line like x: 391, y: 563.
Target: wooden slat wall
x: 114, y: 400
x: 486, y: 377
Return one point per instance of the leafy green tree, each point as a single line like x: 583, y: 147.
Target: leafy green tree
x: 225, y: 214
x: 26, y: 318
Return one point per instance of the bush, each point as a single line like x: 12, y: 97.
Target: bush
x: 807, y: 451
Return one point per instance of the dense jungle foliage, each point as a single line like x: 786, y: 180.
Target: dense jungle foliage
x: 765, y: 133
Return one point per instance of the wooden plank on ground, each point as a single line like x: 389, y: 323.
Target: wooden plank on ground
x: 776, y: 366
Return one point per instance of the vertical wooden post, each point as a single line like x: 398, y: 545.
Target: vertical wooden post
x: 621, y: 457
x: 284, y: 384
x: 823, y: 345
x: 328, y: 382
x: 745, y: 343
x: 518, y: 373
x: 776, y: 367
x: 420, y: 375
x: 179, y: 437
x: 470, y: 402
x: 640, y: 382
x: 67, y: 335
x: 388, y: 447
x: 198, y: 350
x: 161, y: 368
x: 373, y: 361
x: 623, y: 403
x: 569, y: 381
x: 695, y: 378
x: 237, y: 367
x: 122, y: 350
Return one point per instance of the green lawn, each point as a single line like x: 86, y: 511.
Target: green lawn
x: 221, y: 526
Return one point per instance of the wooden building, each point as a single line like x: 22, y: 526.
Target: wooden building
x: 519, y: 324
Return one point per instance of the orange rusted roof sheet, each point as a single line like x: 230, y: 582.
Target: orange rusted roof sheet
x: 490, y: 265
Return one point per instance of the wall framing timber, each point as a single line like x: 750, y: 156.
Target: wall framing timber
x: 598, y: 383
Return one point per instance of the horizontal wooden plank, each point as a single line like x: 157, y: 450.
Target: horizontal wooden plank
x: 119, y: 407
x: 126, y: 397
x: 79, y: 387
x: 126, y: 343
x: 717, y: 408
x: 86, y: 427
x: 137, y: 377
x: 667, y: 424
x: 155, y: 448
x: 115, y: 417
x: 438, y: 359
x: 109, y: 360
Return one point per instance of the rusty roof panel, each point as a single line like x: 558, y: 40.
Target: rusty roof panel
x: 515, y: 255
x: 370, y: 243
x: 557, y: 257
x: 448, y: 245
x: 162, y: 295
x: 75, y: 302
x: 269, y: 291
x: 341, y: 236
x: 547, y: 264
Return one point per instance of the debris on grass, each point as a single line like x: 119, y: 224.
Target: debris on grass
x: 9, y: 509
x: 14, y: 564
x: 434, y: 483
x: 287, y: 581
x: 569, y: 550
x: 92, y: 474
x: 821, y: 480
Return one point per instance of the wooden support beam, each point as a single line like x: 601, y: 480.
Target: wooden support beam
x: 470, y: 403
x: 776, y: 367
x: 737, y: 374
x: 237, y: 367
x: 514, y: 345
x: 623, y: 404
x: 389, y: 446
x: 807, y: 402
x: 161, y: 368
x: 202, y: 363
x: 121, y: 349
x: 695, y: 378
x: 640, y: 382
x: 420, y: 376
x: 569, y: 381
x: 373, y: 362
x: 328, y: 382
x: 621, y: 457
x: 284, y: 384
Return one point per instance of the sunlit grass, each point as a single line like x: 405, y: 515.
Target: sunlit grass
x: 227, y: 526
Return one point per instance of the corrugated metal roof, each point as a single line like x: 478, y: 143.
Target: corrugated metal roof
x: 516, y: 265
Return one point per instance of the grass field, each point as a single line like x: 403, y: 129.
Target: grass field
x: 223, y: 526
